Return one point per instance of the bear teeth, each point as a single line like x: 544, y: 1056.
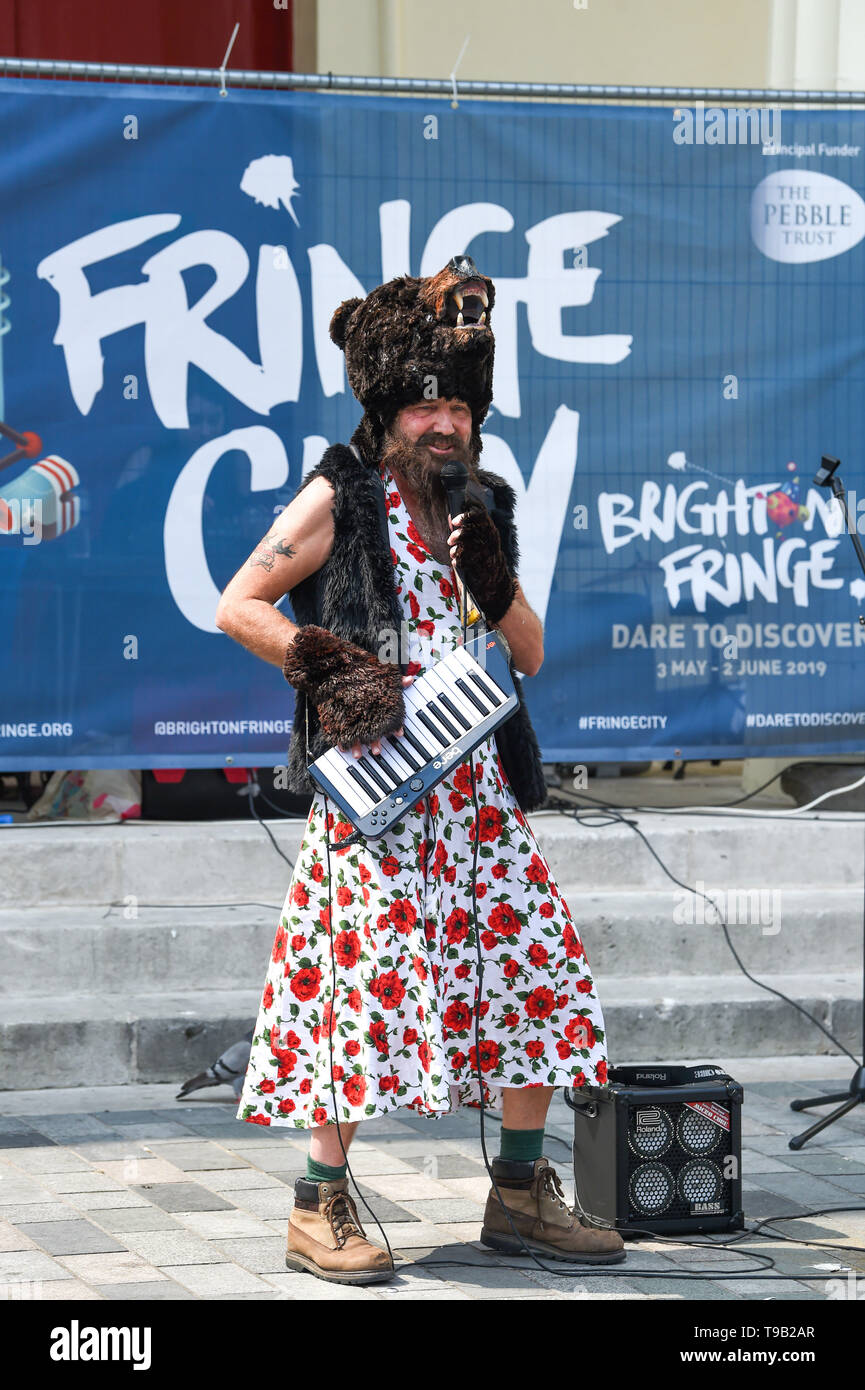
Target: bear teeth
x: 460, y: 323
x: 480, y: 293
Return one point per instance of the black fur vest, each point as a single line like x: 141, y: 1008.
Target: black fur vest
x: 354, y: 595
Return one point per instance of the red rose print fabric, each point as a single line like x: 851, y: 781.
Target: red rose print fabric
x: 401, y: 1028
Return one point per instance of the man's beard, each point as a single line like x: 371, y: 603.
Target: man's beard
x: 408, y: 459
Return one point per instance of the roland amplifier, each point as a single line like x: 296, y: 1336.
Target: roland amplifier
x: 660, y: 1149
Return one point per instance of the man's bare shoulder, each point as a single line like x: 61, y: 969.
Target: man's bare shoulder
x: 315, y: 498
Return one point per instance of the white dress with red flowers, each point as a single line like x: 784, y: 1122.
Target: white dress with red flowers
x: 402, y: 1031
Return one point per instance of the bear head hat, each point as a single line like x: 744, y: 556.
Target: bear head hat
x: 418, y: 338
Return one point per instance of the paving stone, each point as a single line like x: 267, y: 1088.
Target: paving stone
x: 480, y: 1282
x: 754, y: 1162
x: 407, y: 1187
x: 700, y: 1290
x: 198, y: 1110
x: 467, y: 1231
x: 776, y: 1145
x: 438, y: 1291
x: 759, y: 1203
x: 120, y: 1268
x: 18, y: 1265
x: 266, y: 1148
x: 804, y: 1188
x: 407, y: 1148
x: 374, y: 1163
x: 99, y: 1201
x: 210, y: 1280
x: 70, y: 1237
x: 49, y: 1159
x: 383, y: 1208
x: 160, y: 1132
x: 63, y: 1129
x: 14, y: 1213
x: 854, y: 1151
x: 22, y: 1138
x: 751, y: 1125
x: 116, y: 1150
x: 824, y: 1163
x: 234, y: 1179
x: 766, y: 1288
x: 854, y: 1184
x: 250, y: 1136
x: 136, y: 1171
x: 246, y: 1226
x: 13, y: 1124
x: 261, y: 1256
x: 119, y: 1119
x: 89, y: 1181
x: 290, y: 1163
x: 448, y: 1166
x: 468, y: 1189
x: 267, y: 1203
x: 270, y: 1296
x: 403, y: 1235
x: 160, y: 1248
x: 146, y: 1218
x: 67, y: 1291
x: 195, y: 1155
x: 448, y: 1209
x: 182, y: 1196
x: 306, y: 1288
x: 166, y: 1289
x: 221, y: 1226
x: 16, y: 1189
x: 12, y: 1238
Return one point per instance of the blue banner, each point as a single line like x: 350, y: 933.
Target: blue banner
x: 679, y: 337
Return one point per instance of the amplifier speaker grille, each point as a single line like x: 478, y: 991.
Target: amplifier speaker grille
x: 660, y: 1156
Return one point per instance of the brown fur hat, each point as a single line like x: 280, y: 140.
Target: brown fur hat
x: 417, y: 338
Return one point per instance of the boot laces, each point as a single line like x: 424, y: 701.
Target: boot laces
x: 552, y: 1187
x: 341, y: 1213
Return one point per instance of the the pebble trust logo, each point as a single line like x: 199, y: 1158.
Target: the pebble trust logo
x: 799, y: 215
x: 77, y: 1343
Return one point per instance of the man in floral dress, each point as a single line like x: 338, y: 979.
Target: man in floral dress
x: 390, y: 921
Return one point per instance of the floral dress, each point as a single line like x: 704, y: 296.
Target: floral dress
x: 399, y: 914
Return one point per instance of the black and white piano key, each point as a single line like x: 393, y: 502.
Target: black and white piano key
x: 454, y: 701
x: 356, y: 796
x: 420, y: 726
x: 482, y: 680
x: 431, y: 691
x: 434, y: 732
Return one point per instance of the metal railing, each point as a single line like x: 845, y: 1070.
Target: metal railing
x: 411, y: 86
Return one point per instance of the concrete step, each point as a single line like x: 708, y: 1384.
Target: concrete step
x: 108, y: 1039
x: 639, y: 933
x: 233, y: 861
x: 176, y: 949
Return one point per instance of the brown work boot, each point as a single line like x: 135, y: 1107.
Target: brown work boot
x: 325, y: 1237
x: 536, y: 1204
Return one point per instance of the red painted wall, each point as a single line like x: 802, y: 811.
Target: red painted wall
x: 176, y: 33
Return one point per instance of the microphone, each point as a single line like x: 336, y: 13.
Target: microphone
x: 455, y: 476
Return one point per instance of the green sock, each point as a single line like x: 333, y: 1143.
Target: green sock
x: 319, y: 1172
x: 522, y: 1145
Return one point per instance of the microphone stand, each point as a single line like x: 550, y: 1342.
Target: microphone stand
x: 855, y: 1094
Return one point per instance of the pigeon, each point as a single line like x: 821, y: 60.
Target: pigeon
x: 229, y: 1069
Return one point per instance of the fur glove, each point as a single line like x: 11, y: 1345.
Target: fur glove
x: 358, y: 697
x: 481, y: 562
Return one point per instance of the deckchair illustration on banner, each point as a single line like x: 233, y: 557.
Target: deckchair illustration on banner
x: 43, y: 494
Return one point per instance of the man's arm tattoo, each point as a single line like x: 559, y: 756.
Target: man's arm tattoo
x: 266, y: 552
